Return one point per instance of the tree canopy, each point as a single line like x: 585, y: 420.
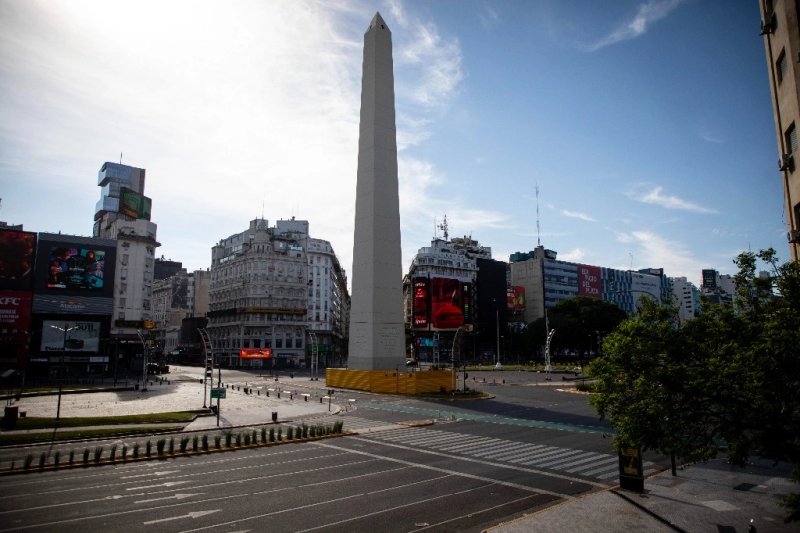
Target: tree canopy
x: 728, y: 378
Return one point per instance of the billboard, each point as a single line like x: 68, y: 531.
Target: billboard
x: 515, y: 297
x: 70, y: 336
x: 71, y: 304
x: 420, y: 303
x: 17, y: 253
x: 134, y: 204
x: 76, y: 268
x: 451, y: 303
x: 589, y: 281
x: 255, y: 353
x: 15, y: 310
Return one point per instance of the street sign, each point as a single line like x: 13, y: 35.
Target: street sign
x: 218, y: 393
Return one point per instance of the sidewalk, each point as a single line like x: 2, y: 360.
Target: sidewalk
x: 711, y: 497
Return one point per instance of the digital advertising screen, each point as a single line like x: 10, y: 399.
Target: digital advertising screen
x: 70, y: 336
x: 515, y: 298
x: 255, y: 353
x: 448, y: 303
x: 76, y: 268
x: 17, y: 253
x: 133, y: 204
x: 420, y: 303
x: 15, y: 310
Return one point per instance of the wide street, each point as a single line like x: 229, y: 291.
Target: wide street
x: 479, y: 463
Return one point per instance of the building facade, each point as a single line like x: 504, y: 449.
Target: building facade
x: 547, y: 281
x: 263, y: 295
x: 123, y: 214
x: 779, y: 26
x: 686, y: 297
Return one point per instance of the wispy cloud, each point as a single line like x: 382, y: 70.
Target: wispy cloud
x: 488, y: 17
x: 647, y: 13
x: 653, y: 250
x: 656, y: 197
x: 578, y: 215
x: 574, y: 256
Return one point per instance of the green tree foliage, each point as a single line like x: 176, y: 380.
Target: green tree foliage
x: 730, y: 376
x: 580, y: 324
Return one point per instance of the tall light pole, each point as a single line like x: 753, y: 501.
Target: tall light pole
x: 144, y: 360
x: 497, y: 331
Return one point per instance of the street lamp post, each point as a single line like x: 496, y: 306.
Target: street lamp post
x: 144, y: 360
x: 497, y: 332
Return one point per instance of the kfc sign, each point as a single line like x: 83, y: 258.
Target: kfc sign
x: 15, y: 310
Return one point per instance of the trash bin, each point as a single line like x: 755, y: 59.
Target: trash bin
x: 11, y: 415
x: 274, y: 416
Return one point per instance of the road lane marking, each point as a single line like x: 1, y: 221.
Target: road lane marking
x: 192, y: 514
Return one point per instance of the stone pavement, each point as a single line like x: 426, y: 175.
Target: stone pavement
x: 711, y: 497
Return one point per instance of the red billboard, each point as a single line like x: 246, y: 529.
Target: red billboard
x: 420, y: 303
x: 589, y: 282
x: 515, y: 297
x: 449, y: 300
x: 15, y: 310
x: 255, y: 353
x: 16, y: 259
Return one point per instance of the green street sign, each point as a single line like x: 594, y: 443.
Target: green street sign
x: 218, y: 393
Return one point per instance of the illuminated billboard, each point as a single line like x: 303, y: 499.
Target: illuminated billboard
x: 420, y: 303
x: 70, y: 336
x: 589, y: 281
x: 515, y: 297
x: 79, y: 268
x: 134, y: 204
x: 15, y: 310
x: 17, y: 252
x: 451, y: 303
x: 255, y: 353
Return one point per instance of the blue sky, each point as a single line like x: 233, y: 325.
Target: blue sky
x: 646, y: 124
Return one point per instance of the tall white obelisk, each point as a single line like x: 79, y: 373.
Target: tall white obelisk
x: 377, y: 334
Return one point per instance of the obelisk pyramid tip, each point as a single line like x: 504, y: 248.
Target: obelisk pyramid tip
x: 377, y: 21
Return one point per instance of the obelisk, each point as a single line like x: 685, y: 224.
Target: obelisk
x: 377, y: 334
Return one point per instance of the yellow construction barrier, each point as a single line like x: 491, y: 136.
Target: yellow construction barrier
x: 392, y: 381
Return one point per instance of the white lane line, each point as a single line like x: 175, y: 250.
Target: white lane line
x: 193, y: 514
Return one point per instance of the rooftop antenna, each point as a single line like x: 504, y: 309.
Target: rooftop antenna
x: 538, y: 231
x: 262, y: 209
x: 631, y: 254
x: 120, y: 158
x: 443, y: 227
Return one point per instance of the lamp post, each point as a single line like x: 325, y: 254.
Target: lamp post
x: 497, y: 332
x: 66, y: 329
x: 144, y: 360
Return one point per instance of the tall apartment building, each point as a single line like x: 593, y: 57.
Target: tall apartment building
x: 175, y: 298
x: 263, y: 294
x: 779, y: 26
x: 687, y: 297
x: 123, y: 214
x: 439, y: 294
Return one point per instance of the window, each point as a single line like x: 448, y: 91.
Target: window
x: 781, y: 66
x: 791, y: 139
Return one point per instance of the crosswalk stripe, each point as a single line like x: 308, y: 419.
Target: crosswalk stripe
x: 610, y: 461
x: 526, y: 451
x: 586, y: 458
x: 545, y: 463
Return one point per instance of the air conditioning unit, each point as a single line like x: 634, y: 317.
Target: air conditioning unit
x: 794, y: 236
x: 786, y: 162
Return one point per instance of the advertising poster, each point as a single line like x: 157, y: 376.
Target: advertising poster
x: 420, y: 303
x: 447, y: 303
x: 516, y: 298
x: 76, y: 268
x: 15, y: 310
x: 70, y: 336
x: 133, y: 204
x: 589, y: 283
x: 16, y: 259
x: 255, y: 353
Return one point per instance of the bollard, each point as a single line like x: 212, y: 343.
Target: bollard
x: 274, y: 416
x: 320, y: 399
x: 279, y: 395
x: 259, y: 393
x: 267, y: 393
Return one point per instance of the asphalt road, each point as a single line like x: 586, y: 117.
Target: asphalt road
x: 480, y: 463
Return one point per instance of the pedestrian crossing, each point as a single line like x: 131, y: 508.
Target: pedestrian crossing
x: 595, y: 465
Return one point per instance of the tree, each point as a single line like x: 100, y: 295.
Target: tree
x: 580, y: 324
x: 731, y: 376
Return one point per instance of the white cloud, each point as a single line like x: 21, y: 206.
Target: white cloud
x: 655, y: 197
x: 488, y: 17
x: 655, y: 251
x: 578, y: 215
x: 573, y: 256
x: 647, y: 13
